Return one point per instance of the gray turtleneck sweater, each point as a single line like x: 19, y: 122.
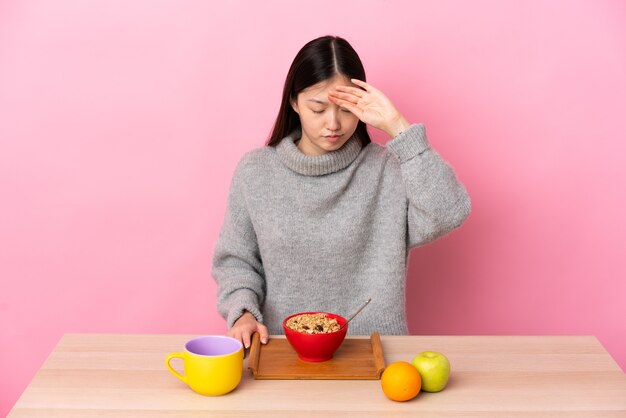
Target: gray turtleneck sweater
x: 326, y: 233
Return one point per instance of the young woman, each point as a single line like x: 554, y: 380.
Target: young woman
x: 321, y: 218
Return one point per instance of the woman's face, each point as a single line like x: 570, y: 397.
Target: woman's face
x: 325, y: 126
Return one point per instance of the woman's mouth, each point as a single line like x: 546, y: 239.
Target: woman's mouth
x: 333, y: 138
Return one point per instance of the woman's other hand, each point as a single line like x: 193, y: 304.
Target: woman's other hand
x: 245, y: 326
x: 371, y: 106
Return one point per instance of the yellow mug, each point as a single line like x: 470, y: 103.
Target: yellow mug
x: 213, y: 364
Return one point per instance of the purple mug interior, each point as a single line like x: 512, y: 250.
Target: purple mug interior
x: 213, y: 345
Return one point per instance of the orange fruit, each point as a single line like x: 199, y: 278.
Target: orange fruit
x: 401, y: 381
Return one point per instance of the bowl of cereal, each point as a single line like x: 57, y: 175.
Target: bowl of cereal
x: 315, y: 335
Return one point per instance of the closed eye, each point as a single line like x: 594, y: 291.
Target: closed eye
x: 321, y: 111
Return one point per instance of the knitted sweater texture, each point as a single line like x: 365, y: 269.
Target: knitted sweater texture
x: 326, y: 233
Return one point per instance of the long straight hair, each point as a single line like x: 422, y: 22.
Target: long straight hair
x: 319, y: 60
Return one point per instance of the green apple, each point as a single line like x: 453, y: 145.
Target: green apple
x: 434, y: 368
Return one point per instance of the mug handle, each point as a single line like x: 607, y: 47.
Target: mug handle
x: 171, y: 356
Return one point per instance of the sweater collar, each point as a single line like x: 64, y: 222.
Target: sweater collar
x: 317, y: 165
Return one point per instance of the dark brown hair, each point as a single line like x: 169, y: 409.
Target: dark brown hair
x: 319, y: 60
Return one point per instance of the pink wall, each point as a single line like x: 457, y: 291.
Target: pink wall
x: 121, y: 123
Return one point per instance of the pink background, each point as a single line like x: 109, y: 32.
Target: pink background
x: 121, y: 123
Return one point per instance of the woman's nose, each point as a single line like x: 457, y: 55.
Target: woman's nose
x: 333, y: 123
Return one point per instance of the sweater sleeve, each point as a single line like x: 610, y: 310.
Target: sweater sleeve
x: 437, y: 201
x: 237, y: 267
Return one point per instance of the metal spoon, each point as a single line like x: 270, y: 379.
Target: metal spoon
x: 357, y: 312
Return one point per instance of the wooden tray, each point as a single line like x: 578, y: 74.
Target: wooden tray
x: 356, y: 359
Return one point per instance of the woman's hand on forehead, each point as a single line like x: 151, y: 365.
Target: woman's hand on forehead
x: 370, y: 105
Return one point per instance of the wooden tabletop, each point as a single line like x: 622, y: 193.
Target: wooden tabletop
x: 522, y: 376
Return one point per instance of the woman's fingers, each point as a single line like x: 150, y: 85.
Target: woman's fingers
x: 345, y: 96
x: 367, y: 87
x: 263, y: 333
x: 340, y: 101
x: 346, y: 104
x: 351, y: 90
x: 245, y: 338
x: 236, y: 334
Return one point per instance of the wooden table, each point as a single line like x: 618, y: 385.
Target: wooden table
x: 522, y: 376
